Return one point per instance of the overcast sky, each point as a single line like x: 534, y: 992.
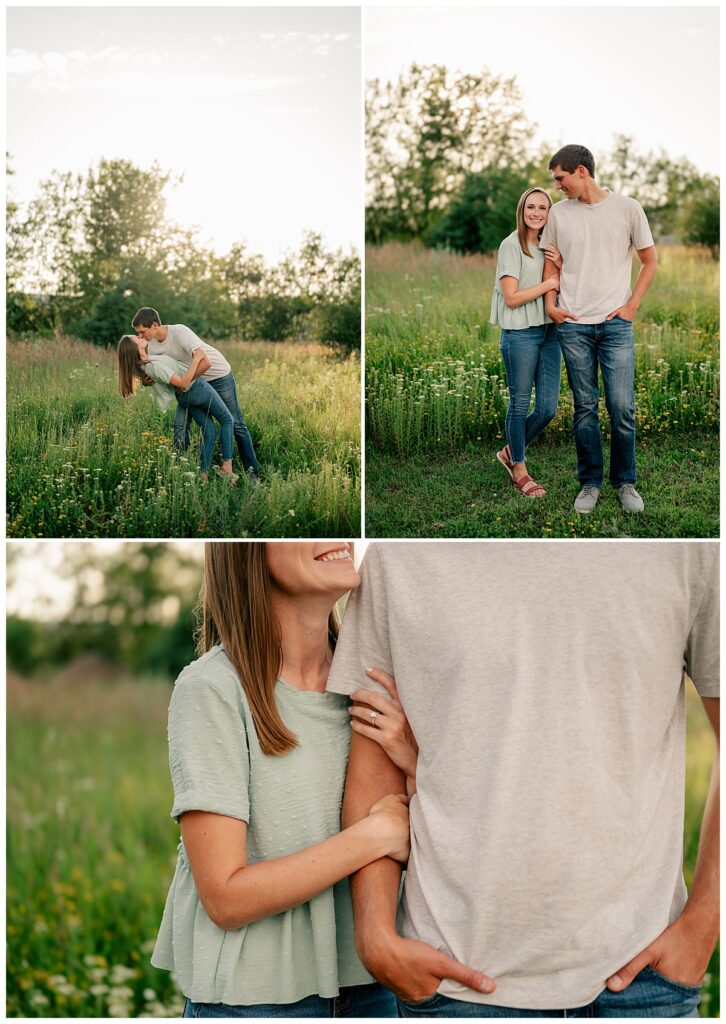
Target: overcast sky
x: 259, y: 108
x: 585, y: 73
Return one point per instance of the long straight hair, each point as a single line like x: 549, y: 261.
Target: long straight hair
x: 235, y: 609
x: 521, y: 226
x: 129, y: 368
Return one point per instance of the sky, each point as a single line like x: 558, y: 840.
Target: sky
x: 258, y: 108
x: 585, y: 73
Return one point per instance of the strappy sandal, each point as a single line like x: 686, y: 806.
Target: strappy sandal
x: 505, y: 457
x: 526, y: 485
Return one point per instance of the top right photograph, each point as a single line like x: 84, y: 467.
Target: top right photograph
x: 542, y: 272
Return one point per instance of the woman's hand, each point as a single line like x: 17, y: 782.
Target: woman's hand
x: 384, y: 721
x: 390, y: 815
x: 554, y: 284
x: 553, y: 253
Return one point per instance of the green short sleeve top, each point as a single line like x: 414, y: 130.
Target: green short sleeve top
x: 511, y: 262
x: 162, y: 369
x: 289, y: 802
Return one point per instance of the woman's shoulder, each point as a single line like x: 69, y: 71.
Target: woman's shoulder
x: 510, y: 242
x: 212, y: 671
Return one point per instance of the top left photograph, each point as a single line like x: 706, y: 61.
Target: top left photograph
x: 183, y: 272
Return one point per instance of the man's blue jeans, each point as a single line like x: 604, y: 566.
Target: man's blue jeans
x: 611, y: 347
x: 650, y: 994
x: 201, y: 403
x: 532, y: 360
x: 227, y: 391
x: 356, y: 1001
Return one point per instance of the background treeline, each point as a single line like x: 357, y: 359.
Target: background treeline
x: 131, y: 607
x: 448, y: 155
x: 89, y: 249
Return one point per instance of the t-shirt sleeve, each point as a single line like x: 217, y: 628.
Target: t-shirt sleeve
x: 364, y: 636
x: 510, y: 259
x: 549, y: 233
x: 701, y: 658
x: 208, y: 753
x: 187, y: 339
x: 640, y: 232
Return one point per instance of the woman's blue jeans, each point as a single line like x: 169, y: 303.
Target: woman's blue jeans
x: 356, y: 1001
x: 532, y: 359
x: 201, y: 403
x: 227, y: 391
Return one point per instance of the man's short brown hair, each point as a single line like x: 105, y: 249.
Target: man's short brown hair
x: 146, y: 317
x: 569, y: 158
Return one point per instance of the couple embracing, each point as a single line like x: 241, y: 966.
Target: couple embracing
x: 563, y: 289
x: 176, y: 364
x: 533, y: 791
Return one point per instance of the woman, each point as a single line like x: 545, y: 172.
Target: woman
x: 259, y: 921
x: 202, y: 401
x: 529, y: 343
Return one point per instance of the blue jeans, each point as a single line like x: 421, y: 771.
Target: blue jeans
x: 611, y: 346
x: 357, y: 1001
x: 532, y: 360
x: 650, y: 994
x: 200, y: 402
x: 227, y: 391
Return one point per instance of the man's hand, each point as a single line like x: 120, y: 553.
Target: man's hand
x: 414, y: 970
x: 560, y: 315
x: 626, y: 312
x: 146, y: 380
x: 679, y: 952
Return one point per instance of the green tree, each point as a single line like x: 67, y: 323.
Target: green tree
x: 425, y: 133
x: 701, y: 215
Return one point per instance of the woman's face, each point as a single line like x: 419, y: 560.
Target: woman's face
x: 536, y: 210
x: 312, y: 568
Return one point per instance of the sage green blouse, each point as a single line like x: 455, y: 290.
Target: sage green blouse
x: 289, y: 802
x: 511, y: 262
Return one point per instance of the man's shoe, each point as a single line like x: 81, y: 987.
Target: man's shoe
x: 586, y: 500
x: 630, y: 499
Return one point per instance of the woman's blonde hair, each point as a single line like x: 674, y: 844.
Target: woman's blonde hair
x: 521, y: 226
x: 236, y: 610
x: 129, y: 367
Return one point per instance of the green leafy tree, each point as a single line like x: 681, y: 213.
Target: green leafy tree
x: 701, y: 215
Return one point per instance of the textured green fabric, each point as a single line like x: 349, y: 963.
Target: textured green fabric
x: 290, y: 802
x: 162, y: 369
x: 511, y: 262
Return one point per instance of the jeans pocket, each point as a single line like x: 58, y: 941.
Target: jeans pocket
x: 421, y: 1004
x: 678, y: 985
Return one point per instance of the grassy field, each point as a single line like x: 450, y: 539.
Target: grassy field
x: 82, y: 462
x: 436, y: 399
x: 91, y: 847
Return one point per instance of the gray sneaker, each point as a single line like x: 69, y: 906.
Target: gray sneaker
x: 630, y: 499
x: 586, y: 500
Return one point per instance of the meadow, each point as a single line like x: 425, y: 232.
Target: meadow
x: 82, y: 462
x: 91, y: 847
x: 436, y: 398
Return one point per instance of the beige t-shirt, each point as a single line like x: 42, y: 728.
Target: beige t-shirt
x: 544, y: 683
x: 596, y: 241
x: 181, y: 342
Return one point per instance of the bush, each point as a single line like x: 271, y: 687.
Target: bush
x: 338, y: 325
x: 482, y: 214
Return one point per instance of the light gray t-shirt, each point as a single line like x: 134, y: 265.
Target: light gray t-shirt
x: 511, y: 262
x: 544, y: 683
x: 162, y: 369
x: 290, y: 802
x: 596, y: 241
x: 181, y: 342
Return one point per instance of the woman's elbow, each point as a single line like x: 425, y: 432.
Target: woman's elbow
x: 221, y: 914
x: 510, y: 302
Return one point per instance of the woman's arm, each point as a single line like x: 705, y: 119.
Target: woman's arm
x: 514, y: 298
x: 234, y: 893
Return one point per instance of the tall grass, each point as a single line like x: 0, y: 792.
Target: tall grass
x: 82, y: 462
x: 91, y: 847
x: 434, y: 375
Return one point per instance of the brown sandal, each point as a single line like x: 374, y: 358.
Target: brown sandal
x: 527, y: 485
x: 505, y: 457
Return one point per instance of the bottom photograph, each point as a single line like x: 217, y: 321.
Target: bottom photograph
x: 385, y: 779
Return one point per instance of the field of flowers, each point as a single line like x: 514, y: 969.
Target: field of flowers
x: 91, y: 847
x: 82, y: 462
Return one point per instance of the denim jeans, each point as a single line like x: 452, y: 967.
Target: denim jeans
x: 357, y: 1001
x: 227, y: 391
x: 531, y: 360
x: 611, y: 346
x: 650, y: 994
x: 201, y: 403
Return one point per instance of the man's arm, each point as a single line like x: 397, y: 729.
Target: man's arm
x: 200, y: 363
x: 683, y: 950
x: 554, y: 312
x: 411, y: 969
x: 648, y: 262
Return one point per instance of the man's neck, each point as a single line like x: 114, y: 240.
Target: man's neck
x: 162, y: 333
x: 592, y: 193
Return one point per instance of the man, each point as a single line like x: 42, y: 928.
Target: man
x: 545, y: 876
x: 596, y: 232
x: 182, y: 343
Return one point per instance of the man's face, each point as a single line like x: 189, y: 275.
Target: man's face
x: 147, y: 333
x: 570, y: 183
x: 141, y: 342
